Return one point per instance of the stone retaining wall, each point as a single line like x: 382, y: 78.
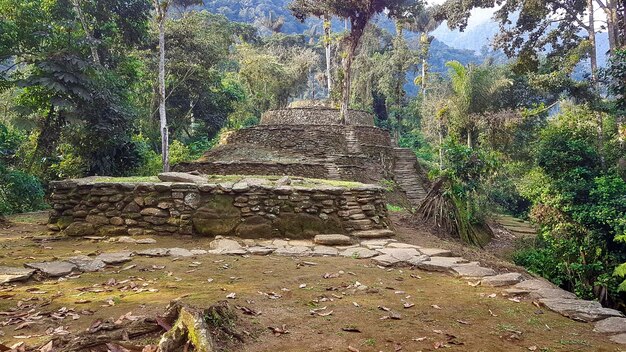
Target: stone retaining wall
x: 303, y: 169
x: 83, y: 207
x: 314, y: 116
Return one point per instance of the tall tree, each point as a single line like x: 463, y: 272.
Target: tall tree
x: 359, y: 13
x: 161, y: 7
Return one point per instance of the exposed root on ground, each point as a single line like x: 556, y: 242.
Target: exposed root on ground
x: 183, y: 328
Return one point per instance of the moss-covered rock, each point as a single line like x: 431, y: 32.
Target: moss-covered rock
x: 255, y: 227
x: 217, y: 217
x: 79, y: 229
x: 306, y: 226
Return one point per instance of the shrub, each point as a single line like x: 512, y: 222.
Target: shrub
x: 20, y: 192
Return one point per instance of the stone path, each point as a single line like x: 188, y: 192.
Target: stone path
x: 384, y: 252
x: 406, y: 175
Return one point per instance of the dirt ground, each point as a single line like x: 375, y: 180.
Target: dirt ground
x: 444, y: 312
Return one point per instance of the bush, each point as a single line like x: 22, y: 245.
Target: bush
x: 20, y: 192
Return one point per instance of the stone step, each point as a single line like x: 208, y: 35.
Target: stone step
x: 373, y: 234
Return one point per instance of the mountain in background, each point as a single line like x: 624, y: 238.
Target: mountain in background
x: 469, y: 46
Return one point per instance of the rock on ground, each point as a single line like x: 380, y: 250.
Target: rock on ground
x: 441, y: 264
x: 436, y: 252
x: 11, y: 274
x: 259, y: 250
x: 154, y: 252
x: 587, y: 311
x: 471, y: 270
x: 86, y: 264
x: 180, y: 252
x: 53, y: 269
x: 332, y: 240
x: 295, y: 251
x: 321, y: 251
x: 115, y: 257
x: 507, y: 279
x: 621, y: 339
x: 359, y: 253
x: 611, y: 325
x: 374, y: 234
x: 402, y: 254
x: 182, y: 177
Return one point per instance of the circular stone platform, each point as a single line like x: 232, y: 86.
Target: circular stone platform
x: 315, y: 116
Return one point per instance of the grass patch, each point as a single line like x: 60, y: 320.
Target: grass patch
x: 395, y: 208
x: 296, y: 181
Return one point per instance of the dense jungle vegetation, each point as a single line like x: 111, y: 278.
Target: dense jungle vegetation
x: 532, y: 126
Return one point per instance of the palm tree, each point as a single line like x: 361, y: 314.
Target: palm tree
x: 474, y: 90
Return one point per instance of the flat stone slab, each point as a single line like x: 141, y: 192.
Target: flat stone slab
x: 12, y: 274
x: 415, y: 261
x: 386, y: 260
x: 374, y: 234
x: 145, y: 241
x: 441, y: 264
x: 301, y: 243
x: 182, y: 177
x: 53, y: 269
x: 403, y: 245
x: 260, y: 250
x: 436, y: 252
x: 199, y: 252
x: 611, y: 325
x: 86, y: 264
x: 507, y: 279
x: 359, y: 253
x: 402, y: 254
x: 295, y: 251
x: 581, y: 310
x: 154, y: 252
x: 537, y: 289
x: 621, y: 339
x: 115, y: 257
x: 180, y: 252
x: 471, y: 270
x: 324, y: 251
x: 376, y: 242
x: 125, y: 239
x: 332, y: 240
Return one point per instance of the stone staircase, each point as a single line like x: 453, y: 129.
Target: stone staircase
x: 406, y: 175
x: 333, y: 171
x: 354, y: 146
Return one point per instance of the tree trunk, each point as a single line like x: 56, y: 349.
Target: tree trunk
x: 161, y: 14
x: 327, y: 29
x: 594, y: 76
x: 92, y: 42
x: 347, y: 76
x: 423, y: 80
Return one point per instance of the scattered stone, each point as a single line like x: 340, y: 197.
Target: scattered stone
x: 374, y: 234
x: 145, y: 241
x: 611, y: 325
x: 577, y: 309
x: 182, y: 177
x: 11, y: 274
x: 502, y: 280
x: 295, y: 251
x: 86, y: 264
x: 224, y: 244
x: 441, y: 264
x: 125, y: 239
x: 332, y: 240
x: 115, y: 257
x: 180, y: 252
x: 537, y: 289
x: 359, y: 253
x: 53, y: 269
x: 386, y: 260
x: 402, y: 254
x: 436, y: 252
x: 199, y: 252
x: 241, y: 186
x: 415, y: 261
x: 324, y: 251
x: 79, y: 229
x: 260, y: 250
x: 471, y: 270
x: 154, y: 252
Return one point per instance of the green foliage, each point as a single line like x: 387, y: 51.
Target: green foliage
x: 19, y: 192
